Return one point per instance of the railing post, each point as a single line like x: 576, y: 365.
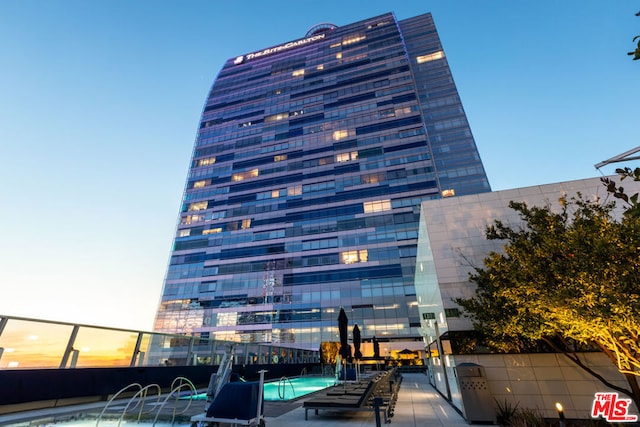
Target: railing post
x: 376, y: 404
x: 136, y: 350
x: 69, y: 349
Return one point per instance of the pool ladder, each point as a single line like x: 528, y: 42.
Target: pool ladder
x: 282, y: 386
x: 139, y: 399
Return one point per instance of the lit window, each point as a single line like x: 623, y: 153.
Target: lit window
x: 431, y: 57
x: 244, y: 175
x: 335, y: 45
x: 246, y: 223
x: 294, y: 191
x: 276, y: 117
x: 212, y: 231
x: 339, y: 55
x: 199, y: 184
x: 377, y: 206
x: 340, y: 134
x: 345, y: 157
x: 185, y: 233
x: 280, y: 158
x: 448, y: 193
x: 353, y: 39
x: 320, y: 67
x: 275, y: 194
x: 207, y: 161
x: 198, y: 206
x: 352, y: 257
x: 297, y: 73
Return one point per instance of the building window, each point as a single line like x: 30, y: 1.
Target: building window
x: 345, y: 157
x: 246, y: 223
x: 448, y: 193
x: 185, y: 233
x: 294, y: 191
x: 351, y: 257
x: 276, y: 117
x: 280, y: 158
x: 198, y: 206
x: 199, y: 184
x: 340, y: 134
x: 451, y: 312
x: 212, y: 231
x: 353, y: 39
x: 241, y: 176
x: 431, y: 57
x: 297, y: 73
x: 429, y: 316
x: 377, y: 206
x: 206, y: 162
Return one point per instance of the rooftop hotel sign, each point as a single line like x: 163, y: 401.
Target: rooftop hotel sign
x: 240, y: 59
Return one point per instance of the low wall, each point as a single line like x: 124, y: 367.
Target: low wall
x: 23, y: 389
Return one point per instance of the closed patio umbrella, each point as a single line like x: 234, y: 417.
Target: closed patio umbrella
x: 343, y: 322
x: 356, y: 342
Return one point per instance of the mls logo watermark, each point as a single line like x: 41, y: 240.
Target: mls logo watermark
x: 612, y: 408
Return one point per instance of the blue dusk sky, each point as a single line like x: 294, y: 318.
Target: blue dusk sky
x: 100, y: 103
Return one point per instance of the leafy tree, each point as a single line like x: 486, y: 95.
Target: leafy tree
x: 631, y: 201
x: 570, y: 279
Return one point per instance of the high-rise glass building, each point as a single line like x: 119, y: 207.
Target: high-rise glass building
x: 309, y: 168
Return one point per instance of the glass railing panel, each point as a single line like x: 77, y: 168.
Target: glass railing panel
x: 30, y: 344
x: 98, y: 347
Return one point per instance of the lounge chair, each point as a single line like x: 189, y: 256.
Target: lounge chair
x: 364, y: 401
x: 237, y: 403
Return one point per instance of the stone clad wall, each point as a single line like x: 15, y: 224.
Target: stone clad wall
x: 538, y: 381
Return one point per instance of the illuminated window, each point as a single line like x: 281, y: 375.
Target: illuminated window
x: 212, y: 231
x: 280, y: 158
x: 297, y: 73
x: 320, y: 67
x: 294, y: 191
x: 276, y: 117
x: 335, y: 45
x: 246, y: 223
x: 352, y: 257
x: 339, y: 55
x: 373, y: 178
x: 448, y: 193
x: 377, y: 206
x: 241, y: 176
x: 340, y: 134
x: 198, y: 206
x: 345, y: 157
x: 353, y: 39
x: 199, y: 184
x: 431, y: 57
x: 207, y: 161
x: 185, y: 233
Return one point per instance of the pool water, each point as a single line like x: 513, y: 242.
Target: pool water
x: 292, y: 388
x: 289, y: 388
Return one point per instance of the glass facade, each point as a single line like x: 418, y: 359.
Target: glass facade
x: 303, y: 196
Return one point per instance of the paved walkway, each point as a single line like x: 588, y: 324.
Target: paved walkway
x: 418, y: 405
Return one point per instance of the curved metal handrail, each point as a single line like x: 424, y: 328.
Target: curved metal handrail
x: 175, y: 391
x: 283, y: 382
x: 142, y: 395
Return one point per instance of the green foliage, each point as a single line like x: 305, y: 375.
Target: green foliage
x: 631, y: 201
x: 571, y: 276
x: 506, y: 412
x: 636, y: 53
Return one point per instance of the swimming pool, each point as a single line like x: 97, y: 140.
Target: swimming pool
x: 288, y: 388
x: 292, y: 388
